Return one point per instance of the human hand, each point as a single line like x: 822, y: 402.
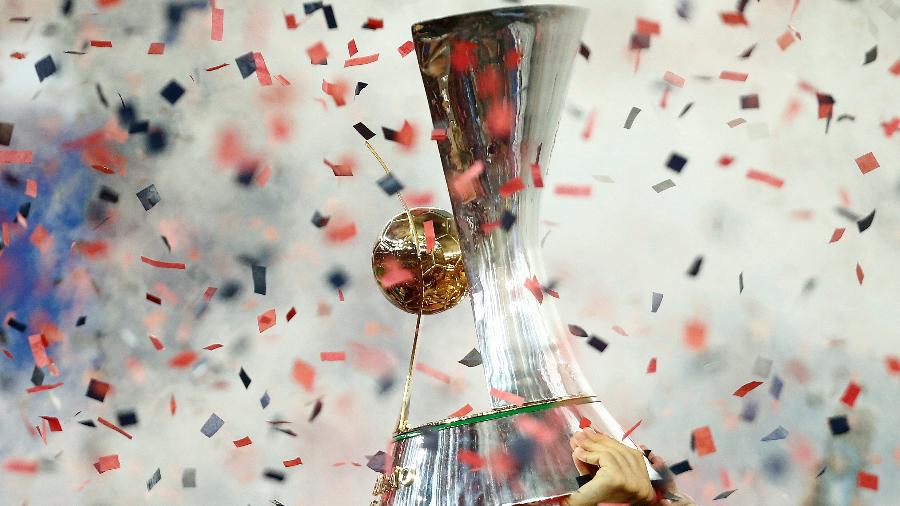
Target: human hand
x: 667, y: 488
x: 620, y: 474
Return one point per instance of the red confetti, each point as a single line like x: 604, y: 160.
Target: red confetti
x: 406, y: 48
x: 338, y: 92
x: 860, y: 275
x: 471, y: 459
x: 589, y: 125
x: 733, y: 76
x: 262, y: 71
x: 536, y: 179
x: 765, y: 177
x: 218, y: 24
x: 291, y: 313
x: 172, y: 405
x: 895, y: 68
x: 893, y: 364
x: 156, y: 343
x: 651, y: 367
x: 244, y: 441
x: 43, y: 388
x: 647, y: 27
x: 511, y: 398
x: 584, y: 422
x: 304, y: 374
x: 154, y: 299
x: 333, y: 356
x: 747, y: 388
x: 292, y: 462
x: 318, y: 54
x: 17, y: 55
x: 10, y: 156
x: 361, y: 60
x: 695, y: 335
x: 674, y: 79
x: 463, y: 411
x: 341, y: 233
x: 217, y: 67
x: 428, y: 227
x: 351, y: 47
x: 101, y: 43
x: 156, y: 48
x: 439, y: 134
x: 512, y: 186
x: 374, y: 23
x: 290, y: 21
x: 462, y: 56
x: 499, y: 119
x: 867, y: 163
x: 631, y: 430
x: 106, y: 463
x: 867, y: 480
x: 850, y: 394
x: 703, y: 441
x: 113, y: 426
x: 534, y: 287
x: 183, y: 359
x: 266, y: 320
x: 836, y: 235
x: 162, y: 265
x: 208, y: 294
x: 733, y: 18
x: 55, y: 426
x: 211, y: 347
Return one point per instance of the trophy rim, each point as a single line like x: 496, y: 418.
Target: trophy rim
x: 516, y: 10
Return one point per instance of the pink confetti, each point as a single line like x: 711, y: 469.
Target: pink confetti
x: 434, y: 373
x: 15, y: 156
x: 262, y: 71
x: 733, y: 76
x: 785, y: 39
x: 361, y: 60
x: 318, y: 54
x: 266, y: 320
x: 508, y: 397
x: 631, y: 430
x: 218, y: 24
x: 674, y: 79
x: 113, y: 426
x: 573, y: 190
x: 534, y: 287
x: 304, y: 374
x: 107, y: 463
x: 765, y: 177
x: 428, y: 226
x: 860, y: 275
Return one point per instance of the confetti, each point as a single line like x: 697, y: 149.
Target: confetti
x: 695, y: 267
x: 871, y: 55
x: 266, y: 320
x: 162, y: 265
x: 867, y: 480
x: 836, y: 235
x: 777, y: 434
x: 110, y: 425
x: 472, y: 359
x: 332, y: 356
x: 148, y: 197
x: 172, y: 92
x: 258, y: 273
x: 724, y: 495
x: 838, y: 425
x: 292, y: 462
x: 631, y: 430
x: 680, y: 467
x: 651, y: 366
x: 97, y: 390
x: 45, y: 67
x: 390, y: 184
x: 157, y: 476
x: 156, y: 48
x: 703, y: 441
x: 463, y: 411
x: 663, y: 186
x: 747, y: 388
x: 405, y: 48
x: 217, y: 26
x: 632, y: 115
x: 364, y: 131
x: 860, y: 275
x: 189, y: 478
x: 867, y: 163
x: 597, y: 343
x: 866, y: 222
x: 656, y: 302
x: 107, y: 463
x: 785, y: 40
x: 750, y: 101
x: 245, y: 378
x: 360, y: 60
x: 318, y: 54
x: 676, y: 162
x: 6, y: 131
x: 507, y: 397
x: 304, y: 374
x: 244, y: 441
x: 765, y: 177
x: 15, y: 157
x: 850, y: 394
x: 212, y: 425
x: 728, y: 75
x: 265, y: 400
x: 373, y: 24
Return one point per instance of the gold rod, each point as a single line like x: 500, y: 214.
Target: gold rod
x: 403, y: 419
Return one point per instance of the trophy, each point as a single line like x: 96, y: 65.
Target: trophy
x: 495, y: 82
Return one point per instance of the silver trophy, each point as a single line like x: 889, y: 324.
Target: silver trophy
x: 495, y: 82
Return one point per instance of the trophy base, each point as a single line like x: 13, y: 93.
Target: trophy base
x: 505, y: 457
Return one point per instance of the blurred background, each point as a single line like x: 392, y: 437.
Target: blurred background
x: 757, y: 281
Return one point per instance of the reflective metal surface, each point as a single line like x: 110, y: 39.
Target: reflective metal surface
x: 496, y: 80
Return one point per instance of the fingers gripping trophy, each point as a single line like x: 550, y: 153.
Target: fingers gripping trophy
x: 495, y: 82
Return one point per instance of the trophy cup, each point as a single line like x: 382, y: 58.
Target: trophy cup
x: 495, y: 82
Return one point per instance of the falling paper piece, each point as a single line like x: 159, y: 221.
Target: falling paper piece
x: 703, y: 441
x: 663, y: 185
x: 850, y: 394
x: 632, y: 115
x: 45, y: 67
x: 871, y: 55
x: 655, y: 303
x: 867, y: 480
x: 724, y: 495
x: 676, y: 162
x: 867, y: 163
x: 212, y: 425
x: 745, y: 389
x: 172, y: 92
x: 154, y: 480
x: 189, y: 478
x: 777, y: 434
x: 680, y: 467
x: 258, y: 273
x: 149, y: 197
x: 838, y: 425
x: 472, y: 359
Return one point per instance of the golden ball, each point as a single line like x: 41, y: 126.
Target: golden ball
x: 432, y: 281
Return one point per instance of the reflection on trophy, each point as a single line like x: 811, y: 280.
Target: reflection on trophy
x: 495, y: 82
